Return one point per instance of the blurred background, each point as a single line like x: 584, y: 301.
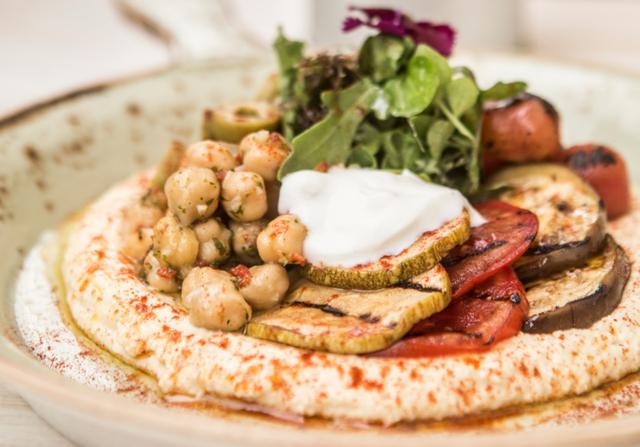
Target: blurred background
x: 48, y: 47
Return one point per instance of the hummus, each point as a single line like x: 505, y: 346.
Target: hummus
x: 147, y: 330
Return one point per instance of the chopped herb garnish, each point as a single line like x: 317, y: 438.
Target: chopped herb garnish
x: 220, y: 246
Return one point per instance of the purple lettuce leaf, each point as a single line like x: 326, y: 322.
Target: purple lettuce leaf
x: 441, y: 37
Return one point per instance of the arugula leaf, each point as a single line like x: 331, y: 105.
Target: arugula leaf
x: 438, y: 136
x: 289, y: 52
x: 367, y: 138
x: 361, y: 157
x: 503, y: 90
x: 400, y: 149
x: 330, y: 139
x: 411, y: 92
x: 382, y: 56
x: 462, y: 94
x: 421, y: 124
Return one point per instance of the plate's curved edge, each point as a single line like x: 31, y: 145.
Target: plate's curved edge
x: 120, y: 410
x: 24, y: 113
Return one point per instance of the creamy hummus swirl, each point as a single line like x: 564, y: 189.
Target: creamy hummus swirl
x: 147, y: 330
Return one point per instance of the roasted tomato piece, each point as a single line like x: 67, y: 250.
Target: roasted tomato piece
x: 493, y: 312
x: 522, y: 129
x: 492, y: 246
x: 606, y: 171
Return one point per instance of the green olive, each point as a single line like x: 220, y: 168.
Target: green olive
x: 169, y: 164
x: 232, y: 122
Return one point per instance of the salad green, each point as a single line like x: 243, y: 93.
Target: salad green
x: 398, y: 105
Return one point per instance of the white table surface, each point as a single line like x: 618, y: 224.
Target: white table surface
x: 21, y: 427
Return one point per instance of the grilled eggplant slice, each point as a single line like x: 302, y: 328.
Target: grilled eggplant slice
x: 578, y: 297
x: 571, y: 216
x: 351, y: 321
x: 421, y: 256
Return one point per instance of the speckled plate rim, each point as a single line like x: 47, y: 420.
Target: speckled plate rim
x: 30, y: 378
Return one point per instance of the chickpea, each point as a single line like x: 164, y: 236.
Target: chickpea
x: 192, y: 193
x: 263, y: 152
x: 174, y: 243
x: 266, y: 286
x: 244, y: 197
x: 199, y: 276
x: 218, y: 305
x: 243, y: 241
x: 138, y: 243
x: 159, y: 276
x: 137, y: 229
x: 212, y: 155
x: 215, y: 241
x: 282, y: 240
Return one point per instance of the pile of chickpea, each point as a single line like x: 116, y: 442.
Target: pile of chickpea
x: 215, y: 243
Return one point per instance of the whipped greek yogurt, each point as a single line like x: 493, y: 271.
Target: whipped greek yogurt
x: 356, y: 216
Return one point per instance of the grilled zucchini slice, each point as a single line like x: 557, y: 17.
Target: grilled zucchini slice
x: 578, y: 297
x: 571, y: 216
x: 421, y: 256
x: 352, y: 321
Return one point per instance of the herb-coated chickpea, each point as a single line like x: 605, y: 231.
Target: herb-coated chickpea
x: 192, y: 193
x: 244, y: 240
x: 263, y: 152
x: 244, y: 197
x: 265, y: 286
x: 159, y: 275
x: 137, y: 230
x: 199, y: 276
x: 217, y: 305
x: 282, y: 241
x: 215, y: 241
x: 212, y: 155
x: 174, y: 243
x: 137, y: 243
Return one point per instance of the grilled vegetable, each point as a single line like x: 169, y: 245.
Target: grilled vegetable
x: 424, y: 254
x: 232, y: 122
x: 570, y: 214
x: 578, y: 297
x: 351, y: 321
x: 493, y: 312
x: 523, y: 129
x: 492, y: 246
x: 605, y: 170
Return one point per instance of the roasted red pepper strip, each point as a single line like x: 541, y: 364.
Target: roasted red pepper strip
x: 494, y: 311
x: 498, y: 243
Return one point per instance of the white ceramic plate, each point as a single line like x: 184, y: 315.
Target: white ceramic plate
x: 56, y: 156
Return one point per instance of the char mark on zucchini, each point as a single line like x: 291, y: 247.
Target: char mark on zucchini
x: 415, y: 286
x: 352, y: 321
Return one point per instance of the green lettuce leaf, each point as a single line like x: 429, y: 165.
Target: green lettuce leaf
x: 411, y: 92
x: 382, y: 56
x: 503, y: 90
x: 329, y: 140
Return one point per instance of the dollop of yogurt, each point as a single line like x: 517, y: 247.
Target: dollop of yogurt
x: 356, y: 216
